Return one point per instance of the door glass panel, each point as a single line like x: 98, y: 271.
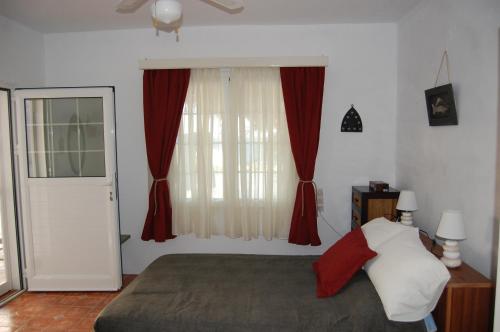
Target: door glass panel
x: 91, y: 110
x: 61, y: 110
x: 93, y: 163
x: 65, y: 137
x: 93, y: 137
x: 65, y: 163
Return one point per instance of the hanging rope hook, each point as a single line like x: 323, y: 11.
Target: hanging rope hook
x: 443, y: 58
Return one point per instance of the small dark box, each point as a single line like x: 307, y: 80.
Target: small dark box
x: 379, y: 186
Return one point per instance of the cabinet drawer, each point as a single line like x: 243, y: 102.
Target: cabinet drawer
x: 382, y: 208
x: 454, y: 312
x: 356, y: 218
x: 367, y: 205
x: 356, y: 198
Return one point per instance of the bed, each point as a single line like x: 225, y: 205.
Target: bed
x: 219, y: 292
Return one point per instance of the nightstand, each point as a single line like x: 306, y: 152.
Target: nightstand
x: 368, y: 205
x: 467, y: 301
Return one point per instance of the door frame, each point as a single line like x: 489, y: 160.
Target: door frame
x: 21, y: 148
x: 13, y: 244
x: 496, y: 238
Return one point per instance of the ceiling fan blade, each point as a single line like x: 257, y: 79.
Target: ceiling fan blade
x: 229, y: 4
x: 129, y: 6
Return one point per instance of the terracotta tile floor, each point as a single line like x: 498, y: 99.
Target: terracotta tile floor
x: 55, y: 311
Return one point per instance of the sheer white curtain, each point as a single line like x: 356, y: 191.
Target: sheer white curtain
x: 233, y: 172
x: 191, y: 174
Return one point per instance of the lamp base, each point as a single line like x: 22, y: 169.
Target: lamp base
x: 451, y: 254
x: 406, y: 218
x: 451, y: 263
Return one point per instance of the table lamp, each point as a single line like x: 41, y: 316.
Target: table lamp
x: 451, y: 229
x: 407, y: 203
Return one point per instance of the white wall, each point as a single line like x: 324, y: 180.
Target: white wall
x: 21, y: 55
x: 362, y: 71
x: 451, y: 166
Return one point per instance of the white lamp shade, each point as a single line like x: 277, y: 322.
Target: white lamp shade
x: 166, y: 11
x: 407, y: 201
x: 451, y: 226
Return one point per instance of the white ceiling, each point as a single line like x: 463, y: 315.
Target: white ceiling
x: 50, y: 16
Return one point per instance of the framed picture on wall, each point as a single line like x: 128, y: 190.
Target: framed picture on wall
x: 441, y: 106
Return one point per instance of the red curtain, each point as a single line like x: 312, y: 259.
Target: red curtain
x: 303, y: 95
x: 164, y: 95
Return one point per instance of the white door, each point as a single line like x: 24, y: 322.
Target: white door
x: 7, y: 214
x: 67, y: 171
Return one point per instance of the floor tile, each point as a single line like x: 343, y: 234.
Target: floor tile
x: 55, y: 311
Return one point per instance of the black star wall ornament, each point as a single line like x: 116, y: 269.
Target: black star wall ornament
x: 352, y: 121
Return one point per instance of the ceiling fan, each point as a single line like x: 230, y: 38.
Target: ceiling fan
x: 170, y: 11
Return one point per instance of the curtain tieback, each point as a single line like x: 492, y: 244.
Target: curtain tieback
x: 302, y: 182
x: 155, y: 184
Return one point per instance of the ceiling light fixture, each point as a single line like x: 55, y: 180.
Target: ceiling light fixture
x: 169, y: 12
x: 166, y: 11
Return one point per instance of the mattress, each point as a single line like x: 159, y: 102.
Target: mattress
x: 218, y: 292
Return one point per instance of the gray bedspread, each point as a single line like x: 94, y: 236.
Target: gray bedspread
x: 205, y: 292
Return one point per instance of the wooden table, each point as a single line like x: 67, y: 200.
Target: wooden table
x: 466, y: 304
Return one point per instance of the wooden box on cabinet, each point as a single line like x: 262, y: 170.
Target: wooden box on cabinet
x: 467, y: 301
x: 368, y: 205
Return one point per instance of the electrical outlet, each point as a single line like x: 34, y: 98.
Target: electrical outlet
x: 319, y: 200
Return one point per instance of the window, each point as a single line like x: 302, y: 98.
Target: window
x: 65, y: 137
x: 232, y: 171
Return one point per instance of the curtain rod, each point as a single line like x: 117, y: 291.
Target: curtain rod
x: 291, y: 61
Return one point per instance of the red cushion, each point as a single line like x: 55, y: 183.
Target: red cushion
x: 339, y: 263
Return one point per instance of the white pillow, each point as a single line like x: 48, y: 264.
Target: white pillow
x: 380, y: 230
x: 407, y: 277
